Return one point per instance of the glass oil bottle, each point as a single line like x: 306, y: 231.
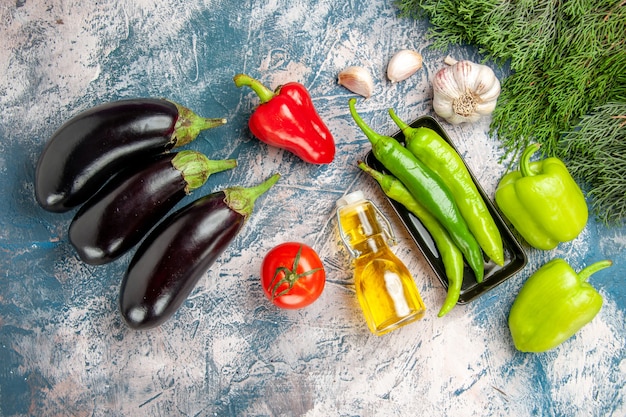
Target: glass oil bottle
x: 384, y: 286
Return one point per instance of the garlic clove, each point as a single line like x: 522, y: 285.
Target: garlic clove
x: 403, y: 64
x: 445, y: 87
x: 486, y: 108
x: 358, y: 80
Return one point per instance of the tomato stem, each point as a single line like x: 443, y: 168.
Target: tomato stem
x: 291, y: 276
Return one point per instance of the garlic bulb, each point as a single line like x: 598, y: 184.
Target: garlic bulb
x: 358, y: 80
x: 403, y: 64
x: 464, y: 91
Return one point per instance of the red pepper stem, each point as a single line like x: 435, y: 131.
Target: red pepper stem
x: 592, y: 269
x: 399, y: 122
x: 524, y: 163
x: 264, y: 93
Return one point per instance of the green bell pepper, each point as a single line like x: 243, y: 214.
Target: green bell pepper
x: 553, y: 304
x: 542, y: 201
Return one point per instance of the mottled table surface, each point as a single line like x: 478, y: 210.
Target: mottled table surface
x: 64, y: 350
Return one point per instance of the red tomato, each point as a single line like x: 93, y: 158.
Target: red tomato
x: 292, y: 275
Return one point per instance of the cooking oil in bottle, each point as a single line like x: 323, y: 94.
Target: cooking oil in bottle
x: 384, y: 286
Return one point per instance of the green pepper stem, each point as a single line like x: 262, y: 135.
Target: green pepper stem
x: 593, y: 268
x: 385, y: 181
x: 524, y: 163
x: 264, y: 93
x: 189, y: 125
x: 372, y: 135
x: 399, y: 122
x: 242, y: 200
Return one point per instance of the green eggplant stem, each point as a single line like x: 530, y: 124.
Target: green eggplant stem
x: 242, y: 200
x: 196, y: 168
x: 264, y: 93
x: 189, y: 125
x: 524, y: 163
x: 593, y: 268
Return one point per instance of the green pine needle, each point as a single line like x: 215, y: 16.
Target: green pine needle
x: 596, y: 151
x: 567, y: 60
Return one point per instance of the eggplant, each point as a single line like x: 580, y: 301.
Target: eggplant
x: 95, y: 144
x: 179, y: 250
x: 121, y: 213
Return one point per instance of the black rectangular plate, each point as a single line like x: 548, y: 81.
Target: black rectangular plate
x: 514, y: 256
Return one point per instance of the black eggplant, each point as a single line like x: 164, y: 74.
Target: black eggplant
x: 122, y: 212
x: 173, y: 257
x: 95, y: 144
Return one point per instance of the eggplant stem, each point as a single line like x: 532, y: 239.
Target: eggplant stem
x: 189, y: 125
x: 241, y: 200
x: 196, y: 168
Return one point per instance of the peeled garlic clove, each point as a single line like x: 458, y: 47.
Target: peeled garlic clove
x: 358, y: 80
x: 403, y: 64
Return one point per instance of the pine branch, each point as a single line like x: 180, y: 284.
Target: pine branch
x: 596, y: 154
x: 568, y: 60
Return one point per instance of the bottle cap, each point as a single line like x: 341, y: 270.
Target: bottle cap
x: 353, y: 197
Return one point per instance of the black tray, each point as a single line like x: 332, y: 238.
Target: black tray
x: 514, y: 256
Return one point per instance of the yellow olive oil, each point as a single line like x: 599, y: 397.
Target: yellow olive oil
x: 384, y: 286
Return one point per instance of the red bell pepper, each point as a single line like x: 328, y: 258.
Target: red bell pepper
x: 287, y: 119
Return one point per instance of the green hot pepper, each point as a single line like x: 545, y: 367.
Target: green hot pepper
x: 429, y: 147
x: 553, y: 304
x: 451, y: 256
x: 542, y: 201
x: 426, y: 187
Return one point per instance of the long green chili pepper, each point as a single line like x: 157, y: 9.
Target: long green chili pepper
x: 429, y: 147
x: 424, y: 184
x: 451, y: 256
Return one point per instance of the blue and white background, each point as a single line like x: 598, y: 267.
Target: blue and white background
x: 64, y: 350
